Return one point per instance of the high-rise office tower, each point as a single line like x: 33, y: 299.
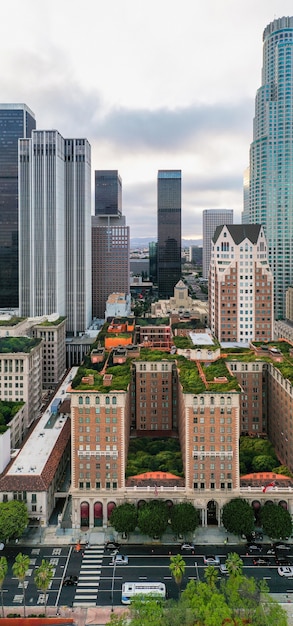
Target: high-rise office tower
x: 271, y: 155
x: 108, y: 192
x: 16, y: 121
x: 169, y: 231
x: 240, y: 285
x: 55, y: 228
x: 211, y: 218
x: 110, y: 260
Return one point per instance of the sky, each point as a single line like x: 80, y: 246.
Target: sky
x: 152, y: 85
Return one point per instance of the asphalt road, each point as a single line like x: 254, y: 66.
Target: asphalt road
x: 95, y: 574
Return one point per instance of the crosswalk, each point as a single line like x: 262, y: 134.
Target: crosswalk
x: 89, y: 577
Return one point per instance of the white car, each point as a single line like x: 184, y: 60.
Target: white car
x: 223, y: 569
x: 285, y: 571
x: 119, y: 559
x: 187, y: 546
x: 211, y: 560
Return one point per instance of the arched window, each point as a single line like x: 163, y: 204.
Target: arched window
x: 87, y: 400
x: 80, y: 400
x: 201, y: 400
x: 212, y: 400
x: 97, y: 400
x: 114, y: 400
x: 222, y: 400
x: 229, y: 400
x: 107, y: 400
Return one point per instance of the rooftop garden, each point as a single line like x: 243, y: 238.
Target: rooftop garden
x: 54, y: 323
x: 17, y: 344
x: 152, y: 321
x: 120, y: 381
x: 191, y: 325
x: 7, y: 412
x: 155, y: 355
x: 13, y: 321
x: 183, y: 343
x: 189, y: 376
x: 218, y: 369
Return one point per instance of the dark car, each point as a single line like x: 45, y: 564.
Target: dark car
x: 70, y: 581
x: 112, y: 545
x: 262, y: 562
x: 281, y: 560
x: 252, y: 548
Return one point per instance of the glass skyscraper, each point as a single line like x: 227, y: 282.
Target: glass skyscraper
x: 16, y: 121
x: 270, y: 201
x: 108, y: 192
x: 169, y: 231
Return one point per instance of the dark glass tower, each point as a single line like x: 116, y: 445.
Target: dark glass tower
x: 16, y: 121
x: 108, y: 192
x: 169, y: 231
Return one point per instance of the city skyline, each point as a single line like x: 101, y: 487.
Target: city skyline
x: 146, y: 119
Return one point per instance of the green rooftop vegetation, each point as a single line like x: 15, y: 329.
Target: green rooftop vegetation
x: 54, y: 323
x: 152, y: 321
x: 147, y: 454
x: 13, y: 321
x: 155, y: 355
x: 7, y: 412
x: 17, y: 344
x: 183, y: 343
x: 120, y: 381
x: 218, y: 369
x: 189, y: 376
x: 191, y: 325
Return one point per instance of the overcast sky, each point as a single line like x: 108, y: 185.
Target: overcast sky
x: 152, y: 85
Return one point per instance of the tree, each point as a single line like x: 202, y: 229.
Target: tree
x: 13, y: 519
x: 234, y: 564
x: 184, y: 518
x: 238, y: 517
x: 150, y: 613
x: 19, y: 568
x: 3, y: 572
x: 43, y: 577
x: 211, y: 575
x: 153, y: 518
x: 124, y: 518
x: 282, y: 469
x: 263, y: 463
x: 276, y: 521
x: 177, y: 568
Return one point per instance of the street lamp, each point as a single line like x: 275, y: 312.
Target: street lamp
x: 112, y: 588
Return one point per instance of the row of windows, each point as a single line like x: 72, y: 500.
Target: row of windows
x: 81, y: 400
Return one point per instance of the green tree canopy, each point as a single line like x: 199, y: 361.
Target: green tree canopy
x: 177, y: 568
x: 20, y: 568
x: 124, y: 518
x: 43, y: 577
x: 234, y: 564
x: 238, y: 517
x: 184, y: 518
x: 153, y: 518
x: 282, y: 469
x: 3, y: 572
x: 276, y: 521
x: 263, y: 463
x: 13, y: 519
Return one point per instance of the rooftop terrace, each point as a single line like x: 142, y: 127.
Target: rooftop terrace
x: 17, y: 344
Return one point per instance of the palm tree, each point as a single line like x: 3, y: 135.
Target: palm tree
x: 3, y: 572
x: 43, y: 577
x: 211, y: 575
x: 19, y: 568
x: 177, y: 569
x: 234, y: 564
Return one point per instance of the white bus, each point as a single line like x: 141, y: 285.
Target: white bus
x: 142, y: 588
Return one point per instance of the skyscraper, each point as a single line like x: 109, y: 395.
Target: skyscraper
x: 55, y: 228
x: 240, y: 285
x: 271, y: 155
x: 16, y: 121
x: 110, y: 242
x: 211, y: 218
x: 169, y: 231
x: 108, y: 192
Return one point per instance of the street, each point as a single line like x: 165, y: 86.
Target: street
x: 95, y: 574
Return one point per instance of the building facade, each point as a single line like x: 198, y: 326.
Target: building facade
x: 240, y: 285
x: 53, y: 335
x: 169, y: 231
x: 54, y: 228
x: 108, y: 192
x: 110, y: 260
x: 16, y: 121
x: 271, y: 156
x: 211, y: 218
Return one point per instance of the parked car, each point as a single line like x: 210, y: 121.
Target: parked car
x: 252, y: 548
x: 119, y: 559
x: 285, y: 571
x: 223, y: 569
x: 2, y: 545
x: 70, y: 580
x: 281, y: 546
x: 211, y: 560
x: 187, y: 546
x: 112, y: 545
x: 261, y: 561
x: 282, y: 560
